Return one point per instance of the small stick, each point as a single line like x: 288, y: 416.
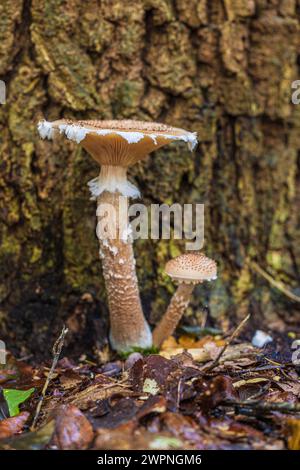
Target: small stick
x: 284, y: 407
x: 228, y: 342
x: 254, y: 370
x: 56, y: 350
x: 204, y: 319
x: 279, y: 285
x: 178, y: 394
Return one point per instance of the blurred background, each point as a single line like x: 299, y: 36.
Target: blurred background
x: 223, y: 69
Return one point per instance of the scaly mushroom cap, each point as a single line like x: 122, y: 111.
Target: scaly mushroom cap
x: 191, y: 268
x: 117, y: 143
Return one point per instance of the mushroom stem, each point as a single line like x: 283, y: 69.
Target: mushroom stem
x: 173, y: 314
x: 113, y: 179
x: 128, y: 327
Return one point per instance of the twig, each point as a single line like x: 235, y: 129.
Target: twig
x: 178, y: 394
x: 56, y: 350
x: 254, y: 370
x: 284, y: 407
x: 204, y: 319
x: 279, y: 285
x: 228, y: 342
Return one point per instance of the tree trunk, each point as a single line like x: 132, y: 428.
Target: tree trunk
x: 221, y: 68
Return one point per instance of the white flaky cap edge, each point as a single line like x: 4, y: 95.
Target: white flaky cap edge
x: 78, y: 133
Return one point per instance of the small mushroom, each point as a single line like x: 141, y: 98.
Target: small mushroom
x: 188, y: 270
x: 117, y: 145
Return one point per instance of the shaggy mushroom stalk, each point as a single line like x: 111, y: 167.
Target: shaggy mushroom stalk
x: 118, y: 262
x: 128, y: 327
x: 188, y: 270
x: 117, y: 145
x: 173, y: 314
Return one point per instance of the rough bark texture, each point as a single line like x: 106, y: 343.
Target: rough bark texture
x: 221, y: 68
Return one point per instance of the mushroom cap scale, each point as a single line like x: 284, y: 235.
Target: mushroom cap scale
x: 191, y: 268
x: 117, y: 143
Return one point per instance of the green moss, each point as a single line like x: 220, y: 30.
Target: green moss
x: 36, y: 254
x: 144, y: 352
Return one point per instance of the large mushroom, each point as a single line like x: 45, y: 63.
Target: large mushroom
x: 116, y: 145
x: 188, y: 270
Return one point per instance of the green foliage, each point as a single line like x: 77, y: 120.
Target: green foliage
x: 14, y: 398
x: 145, y: 352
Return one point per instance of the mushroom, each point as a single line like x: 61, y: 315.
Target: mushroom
x: 188, y: 270
x: 116, y: 145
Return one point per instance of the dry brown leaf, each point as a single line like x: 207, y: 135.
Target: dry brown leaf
x: 169, y: 343
x: 290, y: 386
x: 72, y: 429
x: 255, y: 380
x: 189, y: 342
x: 70, y: 379
x: 294, y: 431
x: 210, y: 350
x: 186, y: 341
x: 101, y: 390
x: 128, y: 437
x: 11, y: 426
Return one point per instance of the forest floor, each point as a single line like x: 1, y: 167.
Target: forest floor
x: 213, y: 391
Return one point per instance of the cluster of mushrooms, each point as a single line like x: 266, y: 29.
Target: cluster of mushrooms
x: 117, y: 145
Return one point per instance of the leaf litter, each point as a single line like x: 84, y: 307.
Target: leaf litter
x: 202, y: 392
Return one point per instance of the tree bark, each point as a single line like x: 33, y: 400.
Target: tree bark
x: 222, y: 68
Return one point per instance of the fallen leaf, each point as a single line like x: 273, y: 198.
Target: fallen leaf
x: 165, y: 443
x: 11, y: 426
x: 290, y: 386
x: 169, y: 343
x: 18, y: 374
x: 189, y: 342
x: 102, y: 388
x: 121, y: 412
x: 182, y: 426
x: 214, y: 392
x: 151, y: 386
x: 280, y: 397
x: 154, y: 405
x: 72, y: 429
x: 36, y: 440
x: 112, y: 369
x: 152, y: 373
x: 254, y: 387
x: 70, y: 379
x: 14, y: 398
x: 199, y: 355
x: 294, y: 433
x: 128, y: 437
x: 231, y: 429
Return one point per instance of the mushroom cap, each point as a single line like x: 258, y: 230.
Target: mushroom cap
x: 117, y: 143
x: 192, y: 268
